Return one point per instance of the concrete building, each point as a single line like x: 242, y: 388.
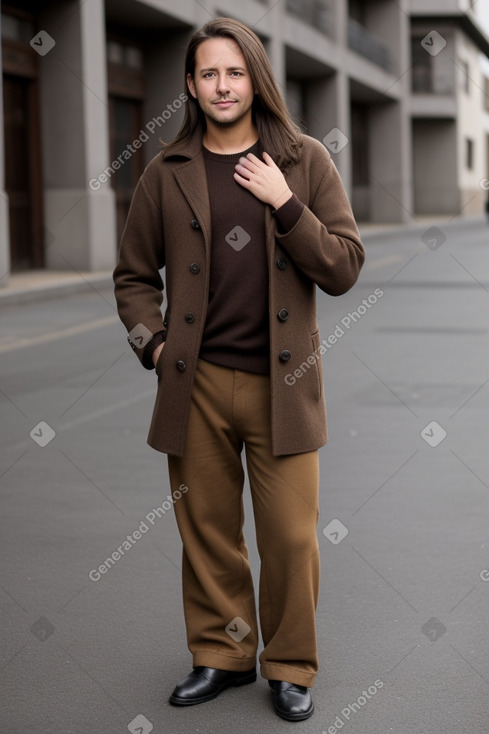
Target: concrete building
x: 395, y: 90
x: 448, y: 107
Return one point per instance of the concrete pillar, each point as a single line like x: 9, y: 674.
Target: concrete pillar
x: 391, y: 190
x: 327, y: 106
x: 4, y: 206
x: 387, y: 192
x: 341, y: 95
x: 329, y: 110
x: 275, y: 46
x: 75, y: 133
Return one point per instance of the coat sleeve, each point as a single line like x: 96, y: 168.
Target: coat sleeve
x: 325, y: 242
x: 138, y: 286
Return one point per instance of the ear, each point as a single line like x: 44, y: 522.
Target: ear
x: 191, y: 85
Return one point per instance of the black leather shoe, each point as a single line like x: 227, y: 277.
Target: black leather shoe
x: 204, y: 684
x: 290, y: 701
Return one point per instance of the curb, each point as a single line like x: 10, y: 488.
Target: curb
x: 12, y: 295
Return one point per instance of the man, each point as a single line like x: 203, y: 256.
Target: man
x: 247, y: 216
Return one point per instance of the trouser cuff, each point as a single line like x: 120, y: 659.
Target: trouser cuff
x: 213, y: 659
x: 276, y: 671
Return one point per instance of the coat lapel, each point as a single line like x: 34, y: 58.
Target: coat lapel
x: 192, y: 180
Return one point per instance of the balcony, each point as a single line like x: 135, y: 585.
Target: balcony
x: 317, y: 13
x: 365, y: 44
x: 425, y: 81
x: 431, y: 74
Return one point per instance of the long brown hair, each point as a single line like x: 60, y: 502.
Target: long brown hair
x: 278, y: 134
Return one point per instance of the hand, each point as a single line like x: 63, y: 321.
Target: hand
x: 157, y: 353
x: 264, y: 179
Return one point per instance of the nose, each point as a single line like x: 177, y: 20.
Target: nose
x: 222, y: 83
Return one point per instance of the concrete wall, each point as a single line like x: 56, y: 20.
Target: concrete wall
x: 470, y: 106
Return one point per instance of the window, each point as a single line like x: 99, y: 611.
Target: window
x: 120, y: 54
x: 360, y: 134
x: 422, y: 70
x: 469, y: 153
x: 16, y: 29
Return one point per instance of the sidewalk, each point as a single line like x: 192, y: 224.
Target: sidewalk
x: 35, y: 285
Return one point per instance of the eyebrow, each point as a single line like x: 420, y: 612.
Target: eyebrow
x: 230, y: 68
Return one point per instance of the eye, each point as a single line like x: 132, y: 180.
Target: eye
x: 207, y: 74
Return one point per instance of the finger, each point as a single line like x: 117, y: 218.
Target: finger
x: 241, y: 180
x: 252, y: 157
x: 246, y: 163
x: 243, y: 171
x: 268, y: 159
x: 254, y: 161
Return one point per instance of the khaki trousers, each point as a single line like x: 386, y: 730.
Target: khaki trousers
x: 230, y: 409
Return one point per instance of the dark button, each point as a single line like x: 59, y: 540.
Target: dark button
x: 181, y: 366
x: 195, y: 224
x: 194, y: 268
x: 281, y: 263
x: 189, y: 318
x: 165, y: 323
x: 285, y: 355
x: 283, y: 314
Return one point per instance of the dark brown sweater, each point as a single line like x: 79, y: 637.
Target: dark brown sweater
x: 236, y: 332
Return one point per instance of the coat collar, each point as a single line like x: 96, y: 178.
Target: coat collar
x: 187, y: 148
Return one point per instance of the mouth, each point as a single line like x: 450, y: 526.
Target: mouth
x: 224, y: 104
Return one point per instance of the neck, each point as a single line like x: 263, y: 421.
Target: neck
x: 228, y: 139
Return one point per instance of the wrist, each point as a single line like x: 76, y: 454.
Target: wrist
x: 151, y: 346
x: 282, y: 199
x: 156, y: 354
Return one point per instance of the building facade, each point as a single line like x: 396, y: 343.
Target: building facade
x: 395, y: 90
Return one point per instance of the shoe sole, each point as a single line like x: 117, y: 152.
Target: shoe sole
x: 176, y: 701
x: 292, y: 717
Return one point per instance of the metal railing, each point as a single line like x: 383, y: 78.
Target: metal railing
x: 364, y: 43
x: 423, y: 81
x: 317, y: 13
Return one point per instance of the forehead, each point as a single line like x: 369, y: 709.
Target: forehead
x: 215, y: 53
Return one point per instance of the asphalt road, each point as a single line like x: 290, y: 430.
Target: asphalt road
x: 404, y: 534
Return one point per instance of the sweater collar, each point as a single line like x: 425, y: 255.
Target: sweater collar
x: 188, y: 148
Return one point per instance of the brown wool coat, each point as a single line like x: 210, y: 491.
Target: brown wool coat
x: 169, y: 225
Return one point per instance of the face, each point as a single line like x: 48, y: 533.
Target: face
x: 222, y: 84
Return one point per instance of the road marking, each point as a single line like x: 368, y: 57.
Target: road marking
x: 60, y: 334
